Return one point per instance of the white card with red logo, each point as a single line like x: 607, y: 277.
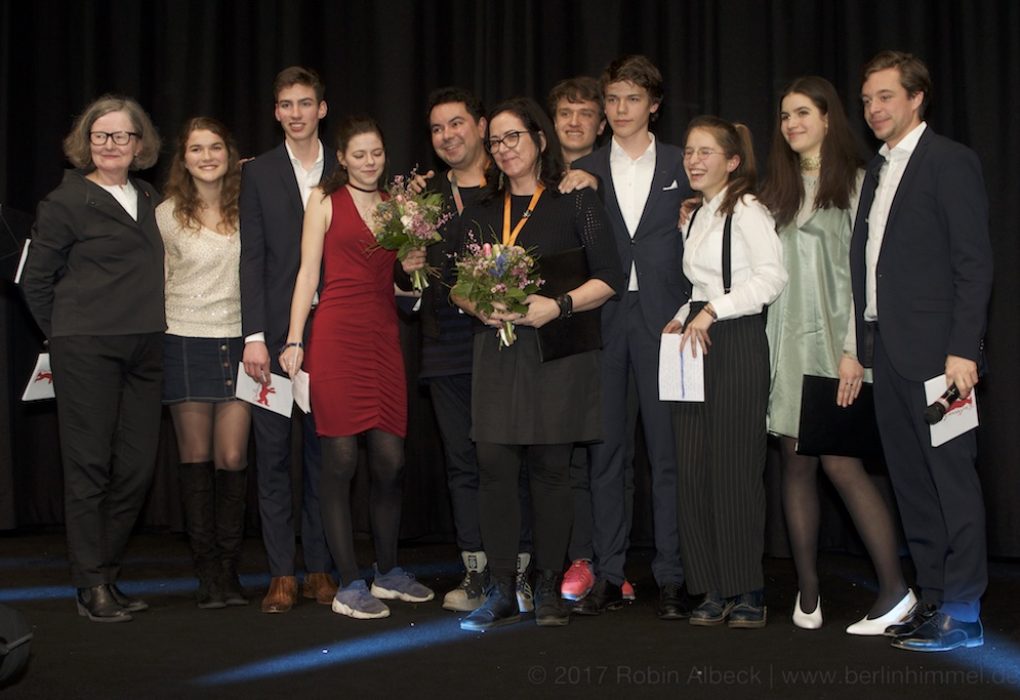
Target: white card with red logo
x: 961, y: 416
x: 40, y: 384
x: 275, y: 396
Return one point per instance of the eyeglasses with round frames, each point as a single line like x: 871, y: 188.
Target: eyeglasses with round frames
x: 510, y: 140
x: 121, y: 138
x: 700, y: 153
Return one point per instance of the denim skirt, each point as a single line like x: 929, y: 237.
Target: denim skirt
x: 200, y: 369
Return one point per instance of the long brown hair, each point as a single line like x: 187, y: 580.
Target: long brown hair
x: 783, y: 192
x: 181, y: 186
x: 734, y: 140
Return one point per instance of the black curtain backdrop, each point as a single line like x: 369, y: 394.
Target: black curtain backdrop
x: 726, y: 57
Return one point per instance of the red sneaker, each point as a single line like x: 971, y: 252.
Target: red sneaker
x: 627, y: 591
x: 578, y: 580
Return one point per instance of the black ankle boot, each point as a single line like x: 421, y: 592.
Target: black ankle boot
x: 231, y: 491
x: 500, y: 607
x: 550, y: 610
x: 97, y: 604
x: 197, y: 489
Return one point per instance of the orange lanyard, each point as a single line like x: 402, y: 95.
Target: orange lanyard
x: 456, y: 192
x: 510, y: 237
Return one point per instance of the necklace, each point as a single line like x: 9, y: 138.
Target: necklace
x: 361, y: 189
x: 807, y: 164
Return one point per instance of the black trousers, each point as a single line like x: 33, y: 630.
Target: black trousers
x: 721, y: 447
x: 500, y: 505
x: 276, y: 493
x: 451, y: 399
x: 108, y: 406
x: 937, y: 492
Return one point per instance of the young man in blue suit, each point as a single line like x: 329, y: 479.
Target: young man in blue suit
x: 921, y: 264
x: 644, y: 184
x: 274, y: 190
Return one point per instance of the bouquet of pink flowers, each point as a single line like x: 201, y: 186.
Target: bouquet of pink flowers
x: 408, y: 221
x: 490, y: 274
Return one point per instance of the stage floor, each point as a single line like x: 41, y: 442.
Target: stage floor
x: 175, y: 650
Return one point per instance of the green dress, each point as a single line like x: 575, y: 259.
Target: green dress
x: 807, y: 324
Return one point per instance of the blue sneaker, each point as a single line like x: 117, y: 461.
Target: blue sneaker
x: 354, y: 600
x: 397, y: 584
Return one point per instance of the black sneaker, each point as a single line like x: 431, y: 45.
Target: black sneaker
x: 500, y: 608
x: 550, y: 610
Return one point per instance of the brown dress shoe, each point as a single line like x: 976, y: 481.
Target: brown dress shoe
x: 321, y: 587
x: 282, y: 595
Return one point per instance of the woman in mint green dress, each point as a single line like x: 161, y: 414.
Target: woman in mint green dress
x: 813, y: 177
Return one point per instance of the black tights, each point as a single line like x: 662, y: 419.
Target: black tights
x: 867, y: 508
x: 385, y: 466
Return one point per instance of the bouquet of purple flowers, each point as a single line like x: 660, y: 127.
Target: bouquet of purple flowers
x: 408, y: 221
x: 490, y: 274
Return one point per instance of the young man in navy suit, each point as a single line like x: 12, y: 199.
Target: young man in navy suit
x: 921, y: 264
x: 274, y: 190
x: 644, y: 185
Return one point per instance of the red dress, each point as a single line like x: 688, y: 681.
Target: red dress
x: 354, y: 359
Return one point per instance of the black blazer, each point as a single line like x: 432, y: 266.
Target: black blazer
x: 91, y: 268
x: 271, y: 217
x: 934, y: 273
x: 657, y: 246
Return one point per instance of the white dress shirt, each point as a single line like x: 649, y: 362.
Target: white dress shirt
x: 307, y: 180
x: 756, y: 259
x: 632, y: 180
x: 889, y: 177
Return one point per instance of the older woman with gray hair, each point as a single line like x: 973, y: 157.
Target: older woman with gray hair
x: 94, y: 283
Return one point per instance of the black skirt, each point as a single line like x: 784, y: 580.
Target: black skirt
x: 518, y: 400
x: 200, y: 369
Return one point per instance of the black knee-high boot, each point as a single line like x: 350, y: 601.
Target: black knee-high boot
x: 231, y: 490
x: 197, y: 488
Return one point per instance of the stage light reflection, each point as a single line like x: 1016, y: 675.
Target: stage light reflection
x: 399, y: 641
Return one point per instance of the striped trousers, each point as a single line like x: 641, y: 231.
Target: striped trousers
x: 721, y: 462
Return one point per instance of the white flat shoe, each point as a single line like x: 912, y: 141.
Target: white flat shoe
x: 868, y: 627
x: 808, y: 621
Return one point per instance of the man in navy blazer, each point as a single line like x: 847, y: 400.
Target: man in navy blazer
x: 921, y: 265
x: 274, y: 190
x: 644, y: 185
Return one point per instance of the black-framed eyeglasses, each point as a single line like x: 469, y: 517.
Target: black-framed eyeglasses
x: 510, y: 140
x: 121, y: 138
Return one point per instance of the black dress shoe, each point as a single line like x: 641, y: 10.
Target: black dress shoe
x: 603, y: 596
x: 98, y: 605
x: 942, y: 633
x: 674, y: 603
x: 921, y: 613
x: 125, y: 601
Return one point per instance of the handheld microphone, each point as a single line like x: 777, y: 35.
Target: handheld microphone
x: 937, y: 411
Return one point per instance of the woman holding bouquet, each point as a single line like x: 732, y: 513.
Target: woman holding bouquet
x: 355, y: 366
x: 524, y: 409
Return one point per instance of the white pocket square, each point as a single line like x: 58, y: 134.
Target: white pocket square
x: 671, y: 187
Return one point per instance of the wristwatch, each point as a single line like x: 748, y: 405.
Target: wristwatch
x: 566, y: 304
